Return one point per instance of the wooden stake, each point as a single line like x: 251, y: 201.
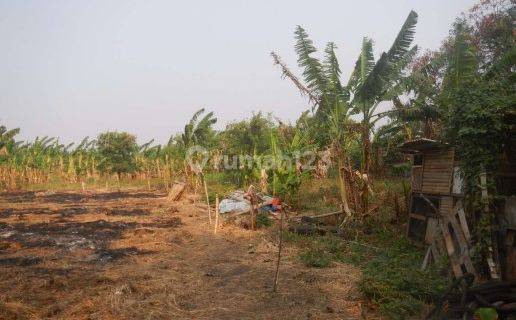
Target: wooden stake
x: 253, y: 215
x: 216, y: 214
x: 276, y: 276
x: 491, y: 258
x: 207, y: 198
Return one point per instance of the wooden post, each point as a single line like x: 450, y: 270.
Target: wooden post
x: 280, y: 245
x: 492, y: 261
x: 251, y: 196
x: 253, y: 214
x: 216, y: 214
x: 207, y: 198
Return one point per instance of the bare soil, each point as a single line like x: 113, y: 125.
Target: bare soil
x: 134, y: 255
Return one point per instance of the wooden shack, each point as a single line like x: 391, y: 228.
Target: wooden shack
x: 436, y: 217
x: 436, y: 185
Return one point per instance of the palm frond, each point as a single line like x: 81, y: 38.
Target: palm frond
x: 332, y: 73
x: 404, y: 39
x: 363, y: 66
x: 286, y: 73
x: 462, y: 62
x: 312, y: 68
x: 388, y: 68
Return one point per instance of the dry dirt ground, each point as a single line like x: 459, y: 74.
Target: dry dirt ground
x: 135, y: 255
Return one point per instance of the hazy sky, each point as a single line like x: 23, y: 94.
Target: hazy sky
x: 76, y: 68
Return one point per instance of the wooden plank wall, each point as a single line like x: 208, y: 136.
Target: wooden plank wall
x: 417, y: 176
x: 446, y: 206
x: 438, y: 172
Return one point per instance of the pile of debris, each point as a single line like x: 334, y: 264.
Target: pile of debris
x: 461, y: 300
x: 437, y: 219
x: 239, y: 204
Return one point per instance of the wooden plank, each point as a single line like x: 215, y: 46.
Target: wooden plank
x: 510, y: 260
x: 445, y: 206
x: 456, y: 268
x: 464, y: 224
x: 463, y: 246
x: 493, y: 266
x: 450, y: 248
x: 435, y: 252
x: 431, y: 230
x: 437, y: 172
x: 417, y: 178
x: 417, y: 216
x: 439, y: 245
x: 426, y: 260
x: 462, y: 252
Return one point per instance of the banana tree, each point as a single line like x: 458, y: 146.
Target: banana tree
x: 197, y: 132
x: 287, y: 169
x: 370, y: 83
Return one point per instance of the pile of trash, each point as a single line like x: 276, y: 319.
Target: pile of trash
x: 238, y: 203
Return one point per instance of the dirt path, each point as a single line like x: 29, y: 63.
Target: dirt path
x: 133, y: 255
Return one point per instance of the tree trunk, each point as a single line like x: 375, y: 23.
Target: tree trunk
x: 366, y: 163
x: 343, y: 188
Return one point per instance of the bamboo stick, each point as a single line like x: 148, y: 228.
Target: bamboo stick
x: 216, y: 214
x: 207, y: 198
x: 280, y: 246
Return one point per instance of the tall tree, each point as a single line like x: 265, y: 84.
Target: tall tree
x: 118, y: 150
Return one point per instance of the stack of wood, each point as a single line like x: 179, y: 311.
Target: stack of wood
x: 461, y: 299
x: 176, y: 192
x: 449, y: 235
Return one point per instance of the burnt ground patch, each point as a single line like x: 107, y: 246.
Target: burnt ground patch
x: 109, y: 255
x: 127, y: 212
x: 70, y: 248
x: 73, y: 234
x: 62, y: 212
x: 6, y: 213
x: 90, y: 234
x: 72, y: 211
x: 17, y: 196
x: 172, y: 222
x: 71, y: 197
x: 20, y: 261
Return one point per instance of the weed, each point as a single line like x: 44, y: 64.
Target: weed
x: 322, y: 250
x: 263, y: 220
x: 392, y: 277
x: 295, y: 238
x: 315, y: 257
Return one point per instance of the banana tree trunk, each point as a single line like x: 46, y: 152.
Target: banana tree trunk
x: 343, y: 187
x: 366, y: 165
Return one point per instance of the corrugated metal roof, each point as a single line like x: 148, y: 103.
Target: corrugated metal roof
x: 418, y: 145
